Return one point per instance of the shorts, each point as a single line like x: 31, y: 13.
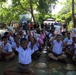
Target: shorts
x: 21, y: 68
x: 56, y: 55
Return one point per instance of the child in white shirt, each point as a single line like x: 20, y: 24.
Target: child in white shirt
x: 6, y: 51
x: 69, y: 44
x: 56, y: 53
x: 74, y: 55
x: 24, y: 59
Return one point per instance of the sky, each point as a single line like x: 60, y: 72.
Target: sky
x: 58, y: 7
x: 9, y: 2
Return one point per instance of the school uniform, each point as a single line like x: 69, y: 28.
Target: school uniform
x: 11, y: 39
x: 57, y: 47
x: 14, y: 45
x: 24, y: 59
x: 50, y: 35
x: 35, y: 46
x: 26, y: 37
x: 7, y: 48
x: 24, y: 56
x: 69, y: 41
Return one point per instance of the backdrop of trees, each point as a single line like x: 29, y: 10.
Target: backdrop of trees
x: 18, y: 7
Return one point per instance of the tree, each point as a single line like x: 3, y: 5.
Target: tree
x: 25, y: 6
x: 31, y: 8
x: 73, y: 18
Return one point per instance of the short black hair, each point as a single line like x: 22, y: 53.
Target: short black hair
x: 23, y: 39
x: 14, y: 35
x: 58, y: 35
x: 3, y: 37
x: 6, y: 33
x: 68, y: 33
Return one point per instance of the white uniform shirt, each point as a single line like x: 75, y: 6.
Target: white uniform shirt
x: 11, y: 39
x: 24, y: 56
x: 14, y: 45
x: 68, y: 41
x: 57, y: 47
x: 7, y: 48
x: 35, y: 47
x: 50, y: 35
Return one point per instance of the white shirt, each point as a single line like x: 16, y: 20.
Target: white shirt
x: 14, y: 45
x: 24, y: 56
x: 50, y: 35
x: 57, y: 47
x: 68, y: 41
x: 11, y: 39
x: 35, y: 46
x: 7, y: 48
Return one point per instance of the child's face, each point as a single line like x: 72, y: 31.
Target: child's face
x: 5, y: 40
x: 24, y: 44
x: 58, y: 38
x: 68, y: 34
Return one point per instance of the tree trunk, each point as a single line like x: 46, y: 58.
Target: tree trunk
x: 31, y: 7
x: 73, y: 17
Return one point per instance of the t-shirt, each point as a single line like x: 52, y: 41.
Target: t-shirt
x: 7, y: 48
x: 24, y: 56
x: 68, y: 41
x: 57, y: 47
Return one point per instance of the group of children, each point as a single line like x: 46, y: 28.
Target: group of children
x: 29, y: 44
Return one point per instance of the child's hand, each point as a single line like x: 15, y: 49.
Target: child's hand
x: 1, y: 48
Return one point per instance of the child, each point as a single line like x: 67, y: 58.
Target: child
x: 10, y: 38
x: 56, y: 53
x: 24, y: 59
x: 6, y: 51
x: 35, y: 46
x: 69, y: 41
x: 14, y: 45
x: 74, y: 55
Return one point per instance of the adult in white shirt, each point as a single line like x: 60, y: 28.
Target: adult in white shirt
x: 56, y: 53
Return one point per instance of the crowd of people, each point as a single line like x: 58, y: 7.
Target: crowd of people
x: 28, y: 45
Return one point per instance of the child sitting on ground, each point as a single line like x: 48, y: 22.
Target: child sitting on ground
x: 24, y: 60
x: 6, y: 52
x: 74, y: 55
x: 56, y: 52
x: 69, y: 44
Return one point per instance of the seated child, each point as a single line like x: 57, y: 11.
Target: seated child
x: 14, y: 45
x: 69, y: 44
x: 10, y: 38
x: 35, y: 46
x: 56, y: 52
x: 74, y: 55
x: 6, y: 50
x: 24, y: 60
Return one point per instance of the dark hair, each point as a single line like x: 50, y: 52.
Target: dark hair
x: 58, y: 35
x: 3, y: 37
x: 14, y: 35
x: 23, y: 39
x: 68, y: 33
x: 6, y: 33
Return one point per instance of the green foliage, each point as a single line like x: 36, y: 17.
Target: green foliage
x: 70, y: 26
x: 19, y: 7
x: 44, y: 5
x: 65, y: 14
